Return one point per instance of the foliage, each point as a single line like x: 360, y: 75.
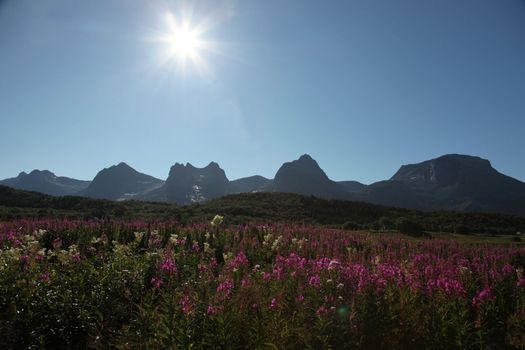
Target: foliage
x: 256, y: 207
x: 410, y: 227
x: 159, y: 284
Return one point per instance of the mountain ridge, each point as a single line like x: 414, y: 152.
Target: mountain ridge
x: 46, y: 182
x: 449, y: 182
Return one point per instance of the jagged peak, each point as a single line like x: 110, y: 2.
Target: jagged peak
x: 213, y: 165
x: 188, y: 165
x: 305, y: 161
x: 41, y: 172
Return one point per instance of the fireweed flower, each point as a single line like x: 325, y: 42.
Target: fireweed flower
x: 266, y: 276
x: 482, y: 297
x: 212, y: 310
x: 321, y: 311
x: 24, y: 259
x: 278, y: 273
x: 44, y: 277
x: 239, y: 261
x: 507, y: 269
x: 195, y: 247
x: 315, y: 281
x: 186, y: 305
x: 156, y: 282
x: 75, y: 258
x: 225, y: 289
x: 169, y: 266
x: 328, y: 274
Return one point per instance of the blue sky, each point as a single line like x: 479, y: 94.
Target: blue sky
x: 363, y: 86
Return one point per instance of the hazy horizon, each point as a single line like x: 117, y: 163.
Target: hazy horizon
x: 362, y: 86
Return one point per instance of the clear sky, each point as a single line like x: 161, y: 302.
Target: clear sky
x: 363, y: 86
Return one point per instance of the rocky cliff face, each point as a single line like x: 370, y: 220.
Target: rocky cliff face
x: 187, y: 184
x: 451, y: 182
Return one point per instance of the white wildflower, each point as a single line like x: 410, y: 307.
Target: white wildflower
x: 217, y: 220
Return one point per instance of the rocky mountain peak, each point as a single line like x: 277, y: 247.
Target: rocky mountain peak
x: 120, y: 181
x: 305, y: 176
x: 189, y: 184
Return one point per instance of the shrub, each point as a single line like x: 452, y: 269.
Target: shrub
x: 350, y: 225
x: 408, y: 226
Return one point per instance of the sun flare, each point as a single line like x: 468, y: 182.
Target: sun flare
x: 183, y: 43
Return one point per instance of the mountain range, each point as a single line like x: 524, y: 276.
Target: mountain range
x: 450, y: 182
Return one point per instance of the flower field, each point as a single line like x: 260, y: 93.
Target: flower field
x: 148, y: 285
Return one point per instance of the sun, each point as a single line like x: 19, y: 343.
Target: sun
x: 184, y: 43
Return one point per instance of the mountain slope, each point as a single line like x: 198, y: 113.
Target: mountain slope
x: 453, y: 182
x: 45, y: 181
x: 304, y: 176
x: 249, y: 184
x: 352, y: 186
x: 120, y: 182
x: 450, y: 182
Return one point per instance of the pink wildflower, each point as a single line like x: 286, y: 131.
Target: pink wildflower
x: 225, y: 289
x: 482, y: 297
x: 169, y: 266
x: 44, y: 277
x: 156, y: 282
x: 187, y: 305
x: 75, y: 258
x: 321, y: 311
x: 315, y: 281
x: 212, y: 310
